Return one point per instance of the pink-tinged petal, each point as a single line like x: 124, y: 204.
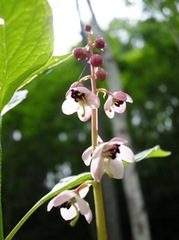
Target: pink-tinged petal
x: 83, y: 90
x: 120, y: 96
x: 83, y: 191
x: 60, y: 199
x: 121, y: 108
x: 97, y: 165
x: 110, y: 113
x: 115, y: 169
x: 69, y: 106
x: 76, y: 84
x: 89, y: 216
x: 100, y: 140
x: 117, y: 140
x: 93, y: 100
x: 126, y: 154
x: 108, y: 103
x: 87, y: 156
x: 69, y: 213
x: 97, y: 169
x: 82, y: 205
x: 129, y: 99
x: 84, y: 113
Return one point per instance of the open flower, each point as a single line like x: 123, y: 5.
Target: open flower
x: 71, y: 203
x: 116, y: 103
x: 107, y: 157
x: 81, y: 100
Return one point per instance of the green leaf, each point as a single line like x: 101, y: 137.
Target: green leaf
x: 53, y: 61
x: 26, y: 42
x: 17, y: 98
x: 68, y: 183
x: 151, y: 153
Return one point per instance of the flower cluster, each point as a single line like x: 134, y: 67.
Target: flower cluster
x: 102, y: 157
x: 80, y: 99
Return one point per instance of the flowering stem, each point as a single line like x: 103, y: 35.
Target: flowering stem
x: 1, y: 217
x: 97, y: 189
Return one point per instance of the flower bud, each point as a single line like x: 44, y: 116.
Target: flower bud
x: 80, y: 53
x: 100, y: 74
x: 99, y: 43
x: 96, y: 60
x: 87, y: 28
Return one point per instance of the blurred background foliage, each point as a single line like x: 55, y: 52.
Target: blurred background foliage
x: 42, y: 145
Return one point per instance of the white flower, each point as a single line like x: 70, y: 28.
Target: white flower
x: 107, y: 157
x: 71, y: 203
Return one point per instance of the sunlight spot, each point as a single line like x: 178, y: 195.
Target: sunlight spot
x: 149, y: 105
x: 62, y: 136
x: 2, y: 21
x: 61, y: 171
x: 136, y: 118
x: 168, y: 124
x: 17, y: 135
x: 124, y: 35
x: 50, y: 180
x: 161, y: 128
x: 138, y: 43
x: 166, y: 11
x: 174, y: 101
x: 163, y: 88
x: 81, y: 136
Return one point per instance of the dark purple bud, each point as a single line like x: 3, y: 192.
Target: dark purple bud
x: 80, y: 53
x: 99, y: 43
x: 101, y: 74
x: 87, y: 28
x: 96, y: 60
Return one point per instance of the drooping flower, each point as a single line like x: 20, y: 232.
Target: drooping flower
x: 108, y: 157
x: 81, y: 100
x: 116, y: 103
x: 71, y: 203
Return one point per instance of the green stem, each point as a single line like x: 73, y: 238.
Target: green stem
x: 1, y: 215
x: 99, y: 209
x: 97, y: 189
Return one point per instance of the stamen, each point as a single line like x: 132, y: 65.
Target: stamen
x: 117, y: 102
x: 111, y: 153
x: 78, y: 96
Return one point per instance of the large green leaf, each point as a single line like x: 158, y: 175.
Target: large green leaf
x: 53, y: 61
x: 26, y: 42
x: 17, y: 98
